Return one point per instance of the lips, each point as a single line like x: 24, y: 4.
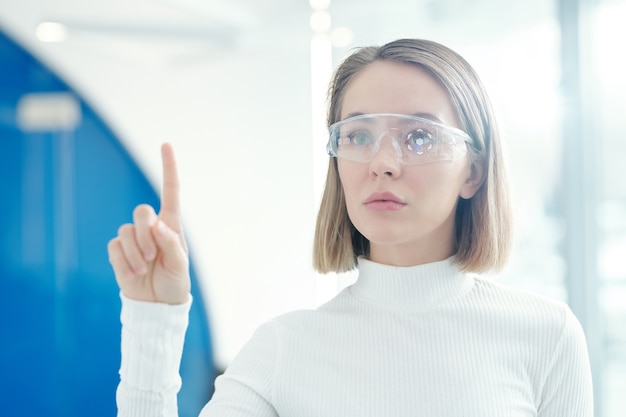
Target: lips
x: 382, y: 201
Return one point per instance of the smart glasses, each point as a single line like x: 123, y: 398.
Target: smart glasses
x: 416, y: 140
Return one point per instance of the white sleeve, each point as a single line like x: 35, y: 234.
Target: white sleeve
x: 153, y: 336
x: 568, y: 388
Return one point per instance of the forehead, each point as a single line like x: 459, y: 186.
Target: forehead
x: 395, y: 87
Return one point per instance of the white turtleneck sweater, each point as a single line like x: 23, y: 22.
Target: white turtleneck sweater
x: 427, y: 340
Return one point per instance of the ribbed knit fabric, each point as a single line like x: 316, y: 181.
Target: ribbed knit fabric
x: 152, y: 344
x: 417, y: 341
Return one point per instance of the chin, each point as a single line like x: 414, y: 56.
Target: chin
x: 384, y: 236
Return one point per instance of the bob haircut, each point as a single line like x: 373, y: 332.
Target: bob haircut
x: 483, y: 223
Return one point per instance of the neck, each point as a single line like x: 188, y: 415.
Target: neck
x: 411, y: 253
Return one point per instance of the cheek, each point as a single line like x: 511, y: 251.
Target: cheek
x: 350, y: 175
x: 437, y: 179
x: 352, y: 179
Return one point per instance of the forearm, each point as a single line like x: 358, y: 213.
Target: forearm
x: 152, y: 344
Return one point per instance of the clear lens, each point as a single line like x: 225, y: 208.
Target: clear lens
x: 415, y: 140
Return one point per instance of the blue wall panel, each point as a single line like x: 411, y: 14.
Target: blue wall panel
x: 63, y: 196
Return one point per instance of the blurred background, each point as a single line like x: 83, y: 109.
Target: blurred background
x: 91, y: 88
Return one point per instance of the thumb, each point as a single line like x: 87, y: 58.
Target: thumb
x: 172, y: 249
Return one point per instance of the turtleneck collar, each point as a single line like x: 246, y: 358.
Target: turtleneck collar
x: 411, y: 288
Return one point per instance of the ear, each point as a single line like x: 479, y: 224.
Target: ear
x: 474, y: 180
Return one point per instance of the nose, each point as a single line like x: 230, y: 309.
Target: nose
x: 387, y: 157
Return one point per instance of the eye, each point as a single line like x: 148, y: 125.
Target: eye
x: 359, y: 138
x: 420, y: 141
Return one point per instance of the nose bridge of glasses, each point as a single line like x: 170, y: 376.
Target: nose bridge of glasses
x: 393, y: 134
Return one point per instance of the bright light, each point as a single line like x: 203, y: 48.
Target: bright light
x: 609, y: 32
x: 320, y: 22
x: 51, y: 32
x: 319, y: 4
x: 37, y: 112
x: 341, y: 37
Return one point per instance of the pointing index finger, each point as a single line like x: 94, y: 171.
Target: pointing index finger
x: 170, y: 203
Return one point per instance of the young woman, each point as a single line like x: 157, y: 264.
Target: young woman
x: 415, y: 199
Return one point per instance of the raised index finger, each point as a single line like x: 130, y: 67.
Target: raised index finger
x: 170, y: 203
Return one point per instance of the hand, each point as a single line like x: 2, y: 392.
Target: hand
x: 149, y: 256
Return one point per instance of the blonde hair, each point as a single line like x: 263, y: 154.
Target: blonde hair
x: 482, y: 223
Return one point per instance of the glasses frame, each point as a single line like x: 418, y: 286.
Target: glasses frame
x: 453, y: 132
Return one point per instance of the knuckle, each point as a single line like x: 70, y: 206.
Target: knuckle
x: 115, y: 256
x: 126, y: 230
x: 114, y: 260
x: 113, y: 245
x: 142, y: 211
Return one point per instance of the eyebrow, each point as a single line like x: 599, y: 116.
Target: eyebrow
x: 423, y: 115
x: 428, y: 116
